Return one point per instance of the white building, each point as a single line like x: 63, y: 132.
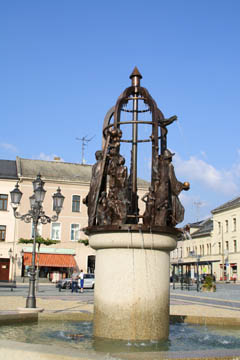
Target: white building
x: 213, y: 243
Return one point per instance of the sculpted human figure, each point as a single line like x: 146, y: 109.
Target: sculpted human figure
x: 162, y: 193
x: 117, y: 198
x: 176, y: 210
x: 163, y: 125
x: 149, y: 214
x: 90, y: 199
x: 103, y: 216
x: 168, y: 209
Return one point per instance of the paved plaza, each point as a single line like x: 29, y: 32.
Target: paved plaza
x: 223, y: 307
x: 225, y: 302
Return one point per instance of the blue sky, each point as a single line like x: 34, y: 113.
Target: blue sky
x: 63, y: 64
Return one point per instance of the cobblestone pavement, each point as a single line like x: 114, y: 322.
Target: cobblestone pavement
x: 225, y: 302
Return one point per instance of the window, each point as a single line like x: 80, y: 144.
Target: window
x: 235, y: 245
x: 219, y: 227
x: 56, y: 231
x: 76, y: 203
x: 2, y: 232
x: 219, y: 248
x: 227, y: 245
x: 39, y: 230
x: 226, y: 225
x: 3, y: 202
x: 234, y: 224
x: 75, y: 232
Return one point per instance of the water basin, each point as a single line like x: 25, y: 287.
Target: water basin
x: 78, y: 335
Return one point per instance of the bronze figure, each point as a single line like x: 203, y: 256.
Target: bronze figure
x: 113, y: 196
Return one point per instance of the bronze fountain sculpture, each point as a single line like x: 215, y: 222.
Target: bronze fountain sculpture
x: 116, y: 206
x: 133, y: 247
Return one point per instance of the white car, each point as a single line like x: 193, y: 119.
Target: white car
x: 89, y: 281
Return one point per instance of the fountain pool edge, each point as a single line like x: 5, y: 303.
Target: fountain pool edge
x: 15, y: 350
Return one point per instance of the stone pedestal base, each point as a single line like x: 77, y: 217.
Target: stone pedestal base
x: 131, y: 297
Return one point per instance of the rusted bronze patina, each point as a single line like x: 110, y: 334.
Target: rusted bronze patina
x: 115, y: 207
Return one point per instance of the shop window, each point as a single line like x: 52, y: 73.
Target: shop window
x: 56, y: 231
x: 3, y: 202
x: 75, y: 232
x: 76, y: 200
x: 2, y: 232
x: 91, y: 263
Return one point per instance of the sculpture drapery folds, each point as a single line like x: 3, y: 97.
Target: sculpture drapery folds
x: 113, y: 198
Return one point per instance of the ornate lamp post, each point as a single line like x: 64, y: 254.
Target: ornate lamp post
x: 36, y: 215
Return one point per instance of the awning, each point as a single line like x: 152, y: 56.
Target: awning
x: 53, y: 260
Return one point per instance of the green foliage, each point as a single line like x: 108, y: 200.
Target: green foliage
x: 85, y: 242
x: 39, y: 241
x: 209, y: 283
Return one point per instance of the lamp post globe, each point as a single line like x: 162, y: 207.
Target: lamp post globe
x: 37, y: 182
x: 16, y: 196
x: 58, y: 200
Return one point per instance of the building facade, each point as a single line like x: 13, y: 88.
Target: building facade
x: 57, y: 260
x: 214, y: 243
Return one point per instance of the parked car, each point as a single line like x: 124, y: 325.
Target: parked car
x: 89, y: 281
x: 64, y: 284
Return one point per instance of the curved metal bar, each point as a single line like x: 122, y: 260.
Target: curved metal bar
x: 106, y: 123
x: 136, y: 122
x: 139, y: 111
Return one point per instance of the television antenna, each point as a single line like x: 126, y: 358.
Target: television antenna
x: 84, y: 141
x: 198, y: 204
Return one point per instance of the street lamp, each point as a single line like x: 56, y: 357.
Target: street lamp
x: 36, y: 215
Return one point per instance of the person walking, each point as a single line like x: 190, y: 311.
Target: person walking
x: 234, y: 278
x: 74, y: 281
x: 81, y: 276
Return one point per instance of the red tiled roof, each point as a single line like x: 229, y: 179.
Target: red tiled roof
x: 54, y: 260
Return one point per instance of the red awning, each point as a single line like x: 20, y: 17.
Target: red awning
x: 54, y: 260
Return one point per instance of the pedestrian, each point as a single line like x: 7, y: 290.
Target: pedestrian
x: 81, y: 276
x: 234, y: 278
x: 74, y: 281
